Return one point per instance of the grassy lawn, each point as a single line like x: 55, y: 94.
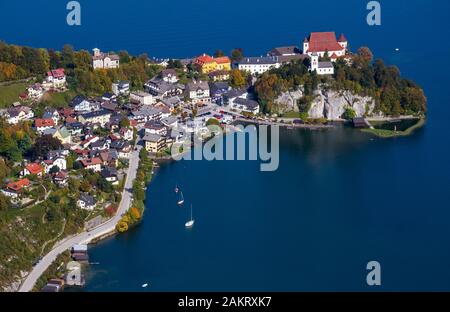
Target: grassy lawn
x: 291, y: 115
x: 10, y: 94
x: 57, y: 100
x: 383, y: 133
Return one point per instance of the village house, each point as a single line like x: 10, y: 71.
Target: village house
x: 207, y: 64
x: 88, y: 140
x: 323, y: 43
x: 35, y: 91
x: 61, y: 178
x: 198, y: 92
x: 86, y: 202
x: 123, y: 148
x: 155, y: 127
x: 217, y: 90
x: 142, y: 98
x: 169, y: 75
x: 53, y: 114
x: 121, y: 88
x: 14, y: 189
x: 145, y: 114
x: 102, y: 60
x: 94, y: 164
x: 233, y: 94
x: 58, y: 161
x: 17, y: 114
x: 287, y: 54
x: 170, y: 122
x: 219, y: 75
x: 56, y: 78
x: 126, y: 134
x: 63, y: 135
x: 172, y: 103
x: 32, y: 169
x: 43, y: 124
x: 100, y: 145
x: 154, y: 143
x: 245, y: 105
x: 101, y: 117
x: 110, y: 175
x: 162, y: 89
x: 80, y: 104
x: 108, y: 97
x: 75, y: 128
x: 258, y: 65
x: 321, y: 68
x: 285, y: 51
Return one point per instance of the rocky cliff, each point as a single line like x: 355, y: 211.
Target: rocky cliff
x: 328, y: 104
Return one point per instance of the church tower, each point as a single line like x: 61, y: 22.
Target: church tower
x: 305, y: 45
x: 314, y: 62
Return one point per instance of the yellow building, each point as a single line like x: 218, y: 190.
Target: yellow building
x: 223, y: 63
x: 207, y: 64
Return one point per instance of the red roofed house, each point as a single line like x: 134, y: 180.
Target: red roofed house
x: 14, y: 189
x: 322, y: 42
x: 44, y: 124
x: 33, y: 168
x: 56, y: 77
x: 207, y: 64
x: 94, y: 164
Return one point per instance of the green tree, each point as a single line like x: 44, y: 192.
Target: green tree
x: 237, y: 79
x: 237, y: 54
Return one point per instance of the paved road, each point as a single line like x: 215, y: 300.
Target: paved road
x: 86, y: 237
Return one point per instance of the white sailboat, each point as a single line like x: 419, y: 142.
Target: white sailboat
x: 181, y: 201
x: 190, y: 223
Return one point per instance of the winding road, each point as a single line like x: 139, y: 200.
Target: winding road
x: 86, y: 237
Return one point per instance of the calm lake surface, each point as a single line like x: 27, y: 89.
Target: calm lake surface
x: 340, y: 198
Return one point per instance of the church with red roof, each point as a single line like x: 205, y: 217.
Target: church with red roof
x: 325, y: 42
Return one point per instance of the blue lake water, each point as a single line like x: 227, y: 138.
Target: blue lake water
x: 340, y: 197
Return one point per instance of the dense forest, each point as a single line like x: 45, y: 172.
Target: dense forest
x: 19, y: 62
x: 393, y: 94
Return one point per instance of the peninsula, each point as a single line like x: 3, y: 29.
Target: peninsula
x: 79, y: 131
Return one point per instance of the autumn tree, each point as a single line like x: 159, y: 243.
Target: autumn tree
x: 237, y: 79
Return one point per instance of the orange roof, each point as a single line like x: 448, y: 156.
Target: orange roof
x: 222, y: 60
x: 91, y: 162
x: 205, y: 58
x: 323, y: 41
x: 34, y: 168
x: 44, y: 123
x: 18, y: 185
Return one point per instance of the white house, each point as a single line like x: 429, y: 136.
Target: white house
x: 52, y: 114
x: 80, y: 104
x: 142, y: 98
x: 102, y: 60
x: 101, y: 117
x: 94, y: 164
x: 126, y: 134
x: 169, y: 75
x: 258, y: 65
x: 325, y: 42
x: 322, y: 68
x: 43, y: 124
x: 86, y: 202
x: 58, y: 161
x: 56, y: 78
x: 20, y: 113
x: 245, y: 105
x: 35, y: 91
x: 198, y: 92
x: 121, y: 88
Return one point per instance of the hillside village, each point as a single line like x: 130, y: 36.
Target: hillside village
x: 93, y: 137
